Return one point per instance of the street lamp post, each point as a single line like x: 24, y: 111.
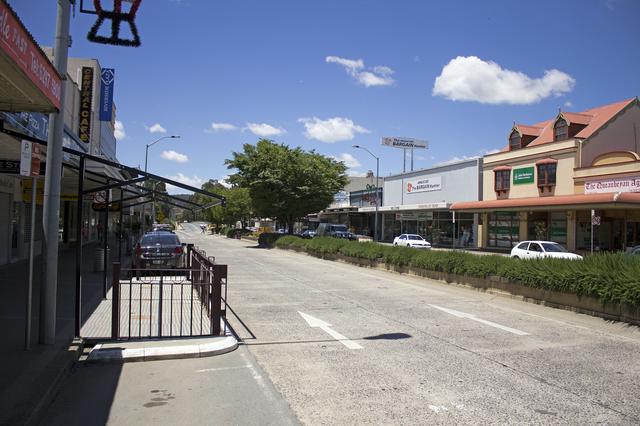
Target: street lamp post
x: 146, y: 158
x: 375, y: 231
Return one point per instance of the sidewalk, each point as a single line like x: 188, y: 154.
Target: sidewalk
x: 28, y: 378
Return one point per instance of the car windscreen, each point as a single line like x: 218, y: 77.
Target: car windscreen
x: 339, y: 228
x: 554, y: 248
x: 415, y: 237
x: 152, y: 240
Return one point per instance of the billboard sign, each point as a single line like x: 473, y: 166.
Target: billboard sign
x: 622, y: 184
x: 523, y: 175
x: 430, y: 184
x: 404, y: 143
x: 86, y: 100
x: 106, y: 93
x: 18, y: 45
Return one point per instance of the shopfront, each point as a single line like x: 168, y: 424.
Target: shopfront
x: 418, y: 203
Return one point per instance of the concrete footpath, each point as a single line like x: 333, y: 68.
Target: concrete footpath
x: 160, y: 349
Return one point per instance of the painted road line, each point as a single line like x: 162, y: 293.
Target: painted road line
x: 485, y: 322
x: 326, y: 327
x: 209, y: 370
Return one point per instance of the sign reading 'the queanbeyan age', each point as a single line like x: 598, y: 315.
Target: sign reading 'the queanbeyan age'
x: 626, y: 184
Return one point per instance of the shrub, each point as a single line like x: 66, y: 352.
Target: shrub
x: 289, y: 241
x: 367, y: 250
x: 326, y: 245
x: 268, y: 239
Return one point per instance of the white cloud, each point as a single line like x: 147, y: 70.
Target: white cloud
x: 194, y: 181
x: 568, y: 104
x: 456, y: 159
x: 376, y: 76
x: 356, y: 173
x: 331, y: 130
x: 157, y: 128
x: 222, y: 127
x: 349, y: 160
x: 118, y: 131
x: 172, y: 155
x: 265, y: 130
x: 469, y: 78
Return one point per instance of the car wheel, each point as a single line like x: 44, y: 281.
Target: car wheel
x: 395, y: 244
x: 515, y: 257
x: 408, y: 245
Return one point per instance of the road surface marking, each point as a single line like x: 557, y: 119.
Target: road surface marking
x: 326, y: 327
x: 207, y: 370
x: 485, y: 322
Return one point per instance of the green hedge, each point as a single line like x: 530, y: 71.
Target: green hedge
x: 611, y: 277
x: 268, y: 239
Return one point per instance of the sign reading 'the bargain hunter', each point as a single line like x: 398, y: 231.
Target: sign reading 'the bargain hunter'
x: 405, y: 143
x: 627, y: 184
x: 423, y: 185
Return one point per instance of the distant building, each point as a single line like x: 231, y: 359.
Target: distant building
x: 552, y: 175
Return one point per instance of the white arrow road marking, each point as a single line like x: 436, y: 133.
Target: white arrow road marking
x: 485, y: 322
x: 326, y: 327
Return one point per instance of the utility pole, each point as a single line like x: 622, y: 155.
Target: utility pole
x: 51, y: 201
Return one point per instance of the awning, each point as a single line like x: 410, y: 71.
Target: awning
x: 28, y: 80
x: 612, y: 200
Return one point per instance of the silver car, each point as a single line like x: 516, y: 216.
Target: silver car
x: 159, y: 250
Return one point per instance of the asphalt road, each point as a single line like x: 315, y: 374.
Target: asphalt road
x: 408, y: 350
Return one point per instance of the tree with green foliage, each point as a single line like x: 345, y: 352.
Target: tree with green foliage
x: 286, y: 183
x: 238, y: 204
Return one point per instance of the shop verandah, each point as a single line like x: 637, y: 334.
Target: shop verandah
x: 563, y: 219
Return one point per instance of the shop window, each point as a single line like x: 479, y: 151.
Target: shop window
x: 503, y: 180
x: 515, y: 141
x: 504, y: 230
x: 547, y: 174
x: 561, y: 130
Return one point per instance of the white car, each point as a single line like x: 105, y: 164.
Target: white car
x: 538, y: 249
x: 411, y: 240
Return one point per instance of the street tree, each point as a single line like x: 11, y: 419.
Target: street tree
x: 286, y: 183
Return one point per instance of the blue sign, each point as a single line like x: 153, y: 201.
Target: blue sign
x: 106, y: 93
x: 34, y: 124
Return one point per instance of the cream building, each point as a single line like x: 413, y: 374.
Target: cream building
x: 555, y: 175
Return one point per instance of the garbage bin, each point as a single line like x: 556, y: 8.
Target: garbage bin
x: 98, y: 260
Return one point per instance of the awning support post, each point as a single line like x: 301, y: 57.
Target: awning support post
x: 79, y: 223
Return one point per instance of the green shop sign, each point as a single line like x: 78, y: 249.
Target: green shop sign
x: 523, y: 175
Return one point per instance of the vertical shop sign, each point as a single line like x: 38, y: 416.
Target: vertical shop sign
x: 86, y: 99
x: 106, y: 93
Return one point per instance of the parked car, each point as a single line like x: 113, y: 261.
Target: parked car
x: 307, y: 233
x: 335, y: 231
x: 162, y: 227
x: 411, y: 240
x: 159, y: 250
x: 634, y: 251
x: 539, y: 249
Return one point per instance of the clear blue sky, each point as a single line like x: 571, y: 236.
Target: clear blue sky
x: 456, y: 73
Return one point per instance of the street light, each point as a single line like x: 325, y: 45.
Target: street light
x: 375, y: 231
x: 146, y: 157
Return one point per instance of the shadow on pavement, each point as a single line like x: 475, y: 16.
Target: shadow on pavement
x: 389, y: 336
x: 87, y: 395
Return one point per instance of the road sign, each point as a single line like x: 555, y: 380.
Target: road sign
x: 595, y: 220
x: 404, y: 143
x: 29, y: 159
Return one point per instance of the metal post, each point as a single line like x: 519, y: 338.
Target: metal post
x: 404, y: 160
x: 120, y: 228
x: 160, y: 307
x: 115, y: 302
x: 105, y: 244
x: 79, y: 223
x: 219, y: 272
x: 146, y: 157
x: 593, y: 213
x: 51, y: 201
x: 375, y: 233
x: 27, y: 329
x: 412, y: 159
